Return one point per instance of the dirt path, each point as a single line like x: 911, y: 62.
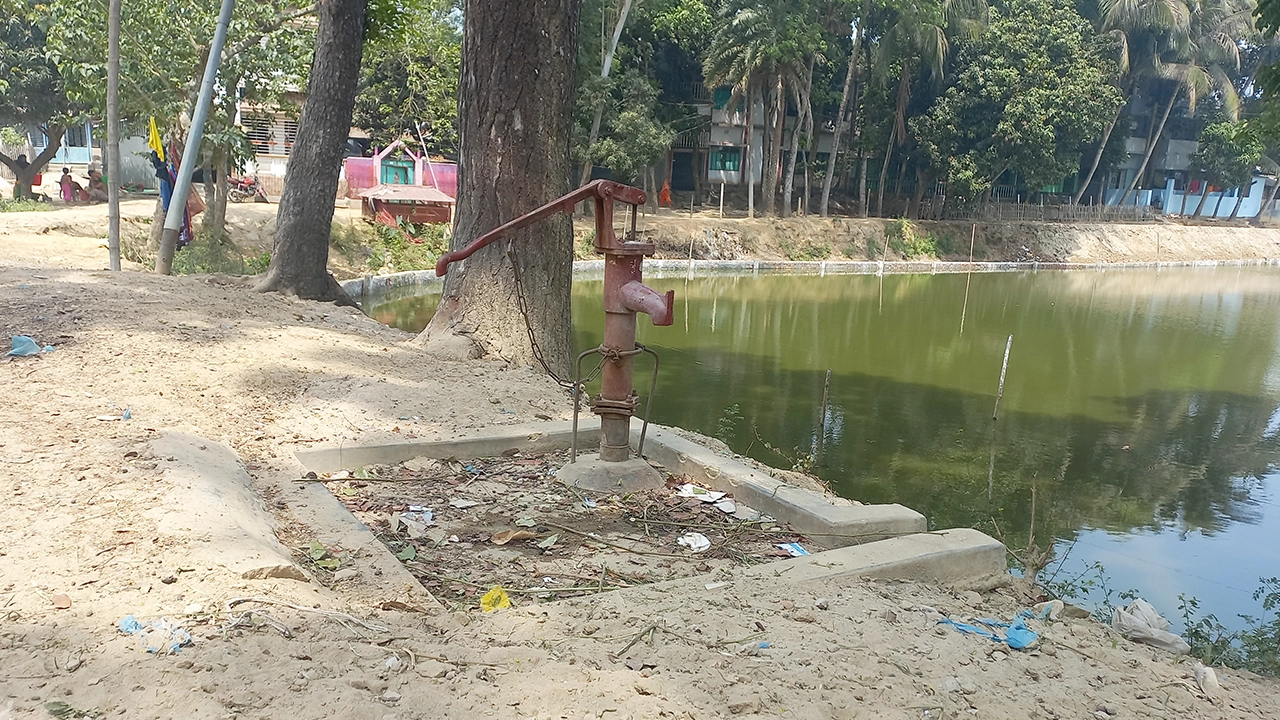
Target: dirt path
x: 100, y: 510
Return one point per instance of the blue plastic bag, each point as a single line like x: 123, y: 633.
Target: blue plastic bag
x: 1017, y: 635
x: 24, y: 346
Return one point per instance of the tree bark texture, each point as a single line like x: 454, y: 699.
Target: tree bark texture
x: 114, y: 175
x: 1241, y: 193
x: 862, y: 187
x: 300, y: 258
x: 789, y: 176
x: 746, y: 160
x: 515, y: 115
x: 1204, y: 191
x: 773, y: 159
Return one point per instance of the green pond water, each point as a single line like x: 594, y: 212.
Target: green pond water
x: 1143, y: 406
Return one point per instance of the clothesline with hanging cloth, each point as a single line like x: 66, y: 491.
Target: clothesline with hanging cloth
x: 167, y: 173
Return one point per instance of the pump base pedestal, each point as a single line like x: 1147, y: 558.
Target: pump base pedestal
x: 592, y: 473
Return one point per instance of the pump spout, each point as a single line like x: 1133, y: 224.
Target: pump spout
x: 640, y: 298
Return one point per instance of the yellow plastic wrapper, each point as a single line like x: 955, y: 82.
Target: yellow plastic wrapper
x: 495, y: 599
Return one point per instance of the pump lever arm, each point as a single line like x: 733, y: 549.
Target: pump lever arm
x: 598, y: 189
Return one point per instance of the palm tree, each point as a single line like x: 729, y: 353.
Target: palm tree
x: 917, y: 33
x: 741, y: 55
x: 849, y: 76
x: 1186, y: 48
x: 757, y: 48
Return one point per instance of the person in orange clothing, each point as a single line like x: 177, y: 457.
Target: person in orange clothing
x: 664, y: 195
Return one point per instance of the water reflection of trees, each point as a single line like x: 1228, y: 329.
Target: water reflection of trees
x: 1090, y: 417
x: 1166, y: 468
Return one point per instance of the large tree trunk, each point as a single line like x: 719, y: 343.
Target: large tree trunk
x: 849, y: 74
x: 913, y: 207
x: 813, y: 142
x: 1150, y: 149
x: 789, y: 177
x: 23, y: 177
x: 112, y: 155
x: 884, y: 172
x: 300, y: 259
x: 515, y: 115
x: 209, y: 222
x: 221, y: 192
x: 773, y: 159
x: 800, y: 93
x: 1097, y: 158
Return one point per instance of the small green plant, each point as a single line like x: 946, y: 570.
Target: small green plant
x: 208, y: 253
x: 585, y: 247
x: 1256, y: 648
x: 802, y: 461
x: 405, y: 246
x: 907, y: 240
x: 727, y: 423
x: 24, y: 205
x: 805, y: 250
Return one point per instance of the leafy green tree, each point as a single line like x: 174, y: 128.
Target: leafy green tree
x: 631, y: 138
x: 1227, y: 154
x: 163, y: 48
x: 1026, y: 95
x: 409, y: 80
x: 32, y: 92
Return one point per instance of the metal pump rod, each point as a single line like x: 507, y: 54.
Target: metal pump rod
x: 625, y: 295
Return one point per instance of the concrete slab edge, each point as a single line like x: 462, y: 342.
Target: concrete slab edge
x: 806, y: 511
x: 944, y: 556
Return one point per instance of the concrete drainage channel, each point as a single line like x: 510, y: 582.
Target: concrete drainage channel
x: 881, y: 541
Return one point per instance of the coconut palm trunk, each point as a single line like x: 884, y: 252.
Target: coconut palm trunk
x: 849, y: 75
x: 1097, y: 158
x: 1150, y: 149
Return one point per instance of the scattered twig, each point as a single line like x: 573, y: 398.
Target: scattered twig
x: 247, y: 619
x: 331, y: 614
x: 634, y: 640
x: 596, y: 538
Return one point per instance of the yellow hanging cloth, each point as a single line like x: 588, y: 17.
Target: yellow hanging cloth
x: 153, y: 141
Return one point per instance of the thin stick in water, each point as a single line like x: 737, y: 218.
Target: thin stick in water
x: 969, y: 277
x: 822, y: 432
x: 1004, y: 367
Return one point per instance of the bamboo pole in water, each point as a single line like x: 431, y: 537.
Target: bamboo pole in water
x: 968, y: 277
x: 1003, y: 368
x: 822, y: 431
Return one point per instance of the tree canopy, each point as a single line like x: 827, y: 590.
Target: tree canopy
x: 1028, y: 93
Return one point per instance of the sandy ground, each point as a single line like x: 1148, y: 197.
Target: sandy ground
x: 108, y: 516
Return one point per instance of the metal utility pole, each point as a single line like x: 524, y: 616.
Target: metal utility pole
x: 113, y: 134
x: 190, y: 153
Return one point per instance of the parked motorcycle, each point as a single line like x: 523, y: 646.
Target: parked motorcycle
x: 246, y: 189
